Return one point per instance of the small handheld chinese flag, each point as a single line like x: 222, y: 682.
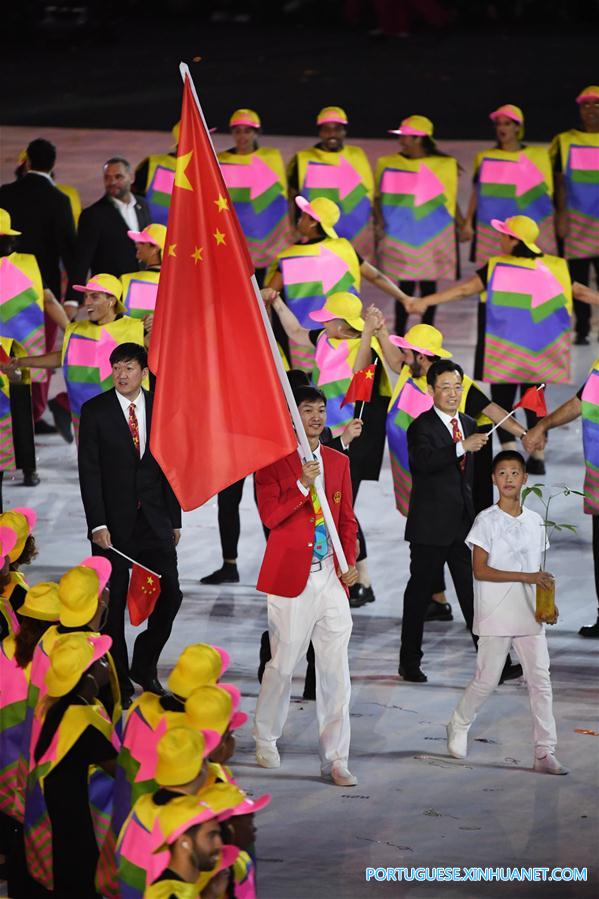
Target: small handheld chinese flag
x: 534, y: 401
x: 360, y: 389
x: 144, y: 590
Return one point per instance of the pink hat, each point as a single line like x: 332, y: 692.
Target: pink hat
x: 509, y: 111
x: 250, y: 806
x: 590, y: 93
x: 101, y: 566
x: 101, y: 645
x: 415, y: 126
x: 404, y: 344
x: 238, y: 719
x: 30, y: 515
x: 8, y: 540
x: 225, y: 658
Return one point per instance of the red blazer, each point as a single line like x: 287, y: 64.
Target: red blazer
x: 290, y: 517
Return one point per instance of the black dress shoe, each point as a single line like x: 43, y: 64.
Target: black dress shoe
x: 415, y: 675
x: 438, y: 611
x: 590, y: 630
x: 42, y: 427
x: 148, y: 683
x: 31, y: 478
x: 510, y: 672
x: 535, y: 466
x: 226, y: 574
x: 62, y: 420
x: 359, y: 595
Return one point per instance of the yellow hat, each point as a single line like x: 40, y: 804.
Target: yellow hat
x: 22, y: 521
x: 245, y: 117
x: 589, y: 94
x: 321, y: 210
x: 70, y: 657
x: 213, y: 708
x: 415, y: 126
x: 522, y: 228
x: 198, y: 664
x: 510, y: 111
x: 42, y: 602
x: 422, y: 339
x: 154, y: 234
x: 5, y: 229
x: 181, y: 752
x: 104, y: 283
x: 78, y: 590
x: 344, y: 305
x: 332, y: 114
x: 176, y: 132
x: 184, y: 812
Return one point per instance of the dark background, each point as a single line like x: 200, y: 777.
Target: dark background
x: 105, y: 64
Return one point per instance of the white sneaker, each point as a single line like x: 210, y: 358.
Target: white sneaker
x: 457, y: 740
x: 548, y: 764
x: 342, y: 776
x: 268, y: 756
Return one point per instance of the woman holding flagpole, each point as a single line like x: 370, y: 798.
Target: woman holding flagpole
x: 524, y: 318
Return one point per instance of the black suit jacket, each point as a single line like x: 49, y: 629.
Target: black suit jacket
x: 113, y: 480
x: 441, y: 504
x: 43, y: 213
x: 103, y: 244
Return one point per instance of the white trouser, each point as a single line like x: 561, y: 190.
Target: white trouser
x: 320, y: 613
x: 490, y: 659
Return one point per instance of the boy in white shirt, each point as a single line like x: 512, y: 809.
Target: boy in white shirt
x: 507, y: 542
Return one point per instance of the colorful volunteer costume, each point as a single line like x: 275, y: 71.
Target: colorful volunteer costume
x: 9, y: 443
x: 22, y: 302
x: 345, y: 177
x: 418, y: 203
x: 576, y: 155
x: 155, y: 178
x: 512, y: 183
x: 590, y: 439
x: 257, y: 184
x: 140, y: 289
x: 9, y: 624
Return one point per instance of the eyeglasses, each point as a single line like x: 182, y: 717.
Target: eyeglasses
x: 457, y: 389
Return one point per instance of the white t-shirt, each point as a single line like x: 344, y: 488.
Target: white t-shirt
x: 513, y: 544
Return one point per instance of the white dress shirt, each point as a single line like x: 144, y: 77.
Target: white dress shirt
x: 447, y: 421
x: 127, y: 210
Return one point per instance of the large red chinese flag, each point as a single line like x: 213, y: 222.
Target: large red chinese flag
x: 219, y: 410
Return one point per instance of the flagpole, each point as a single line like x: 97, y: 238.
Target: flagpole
x: 129, y: 559
x: 284, y: 380
x: 505, y: 417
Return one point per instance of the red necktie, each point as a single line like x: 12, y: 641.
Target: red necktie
x: 134, y: 427
x: 457, y: 436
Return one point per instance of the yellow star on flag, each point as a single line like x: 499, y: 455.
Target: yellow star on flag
x: 150, y: 580
x: 219, y: 237
x: 222, y: 203
x: 181, y: 179
x: 369, y: 374
x: 171, y: 249
x: 197, y: 254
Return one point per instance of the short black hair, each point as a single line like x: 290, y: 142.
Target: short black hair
x: 41, y: 155
x: 127, y: 352
x: 115, y: 160
x: 298, y: 378
x: 508, y: 456
x: 309, y: 394
x: 439, y: 368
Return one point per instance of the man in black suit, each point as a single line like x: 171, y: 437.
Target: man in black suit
x: 102, y: 241
x: 440, y: 446
x: 129, y: 504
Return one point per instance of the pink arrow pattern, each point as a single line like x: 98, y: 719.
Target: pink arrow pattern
x: 257, y: 176
x: 164, y: 180
x: 326, y: 267
x: 591, y: 389
x: 413, y: 401
x: 537, y: 282
x: 334, y: 366
x: 523, y: 174
x: 423, y: 185
x: 92, y: 353
x: 585, y: 158
x: 342, y: 177
x: 12, y: 280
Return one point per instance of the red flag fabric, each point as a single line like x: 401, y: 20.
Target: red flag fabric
x: 534, y: 401
x: 4, y: 357
x: 144, y: 590
x: 219, y: 409
x: 360, y: 389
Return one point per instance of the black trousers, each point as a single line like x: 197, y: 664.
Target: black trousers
x: 505, y: 395
x: 580, y: 270
x: 161, y: 556
x: 426, y: 562
x: 229, y: 522
x: 409, y: 287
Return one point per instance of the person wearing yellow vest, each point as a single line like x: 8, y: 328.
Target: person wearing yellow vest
x: 575, y: 157
x: 342, y: 173
x: 524, y: 317
x: 21, y: 521
x: 87, y: 345
x: 416, y: 213
x: 257, y: 182
x: 141, y: 288
x: 510, y: 178
x: 584, y: 404
x: 155, y: 177
x: 17, y: 441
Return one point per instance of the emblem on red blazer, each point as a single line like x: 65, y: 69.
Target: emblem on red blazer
x: 337, y: 496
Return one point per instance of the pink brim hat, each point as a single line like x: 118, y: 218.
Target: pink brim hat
x: 30, y: 515
x: 225, y: 658
x: 307, y: 207
x: 404, y: 344
x: 414, y: 132
x: 142, y: 237
x: 247, y: 122
x: 211, y: 740
x: 582, y: 98
x: 101, y: 646
x: 322, y: 315
x: 91, y: 285
x: 508, y: 115
x: 334, y: 121
x: 238, y: 719
x: 228, y: 856
x: 503, y: 228
x: 250, y: 806
x: 8, y: 540
x: 101, y: 566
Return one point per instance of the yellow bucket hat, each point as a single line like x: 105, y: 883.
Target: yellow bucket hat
x: 422, y: 339
x: 589, y: 94
x: 42, y: 602
x: 215, y: 708
x: 176, y: 132
x: 79, y: 592
x: 181, y: 752
x: 5, y: 225
x: 245, y: 117
x: 104, y: 284
x: 334, y: 114
x: 198, y: 664
x: 22, y: 521
x: 321, y: 210
x: 70, y: 657
x: 415, y: 126
x: 154, y: 234
x: 522, y: 228
x: 344, y: 305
